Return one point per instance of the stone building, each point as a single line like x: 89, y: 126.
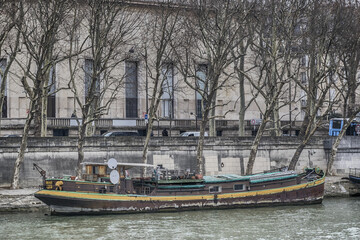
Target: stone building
x: 180, y: 107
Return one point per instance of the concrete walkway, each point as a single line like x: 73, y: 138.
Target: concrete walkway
x: 336, y: 186
x: 20, y: 200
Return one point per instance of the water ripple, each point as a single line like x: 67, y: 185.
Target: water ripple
x: 336, y: 218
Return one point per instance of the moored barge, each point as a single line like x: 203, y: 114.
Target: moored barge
x: 354, y: 178
x: 104, y: 192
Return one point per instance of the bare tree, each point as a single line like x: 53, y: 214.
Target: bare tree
x: 42, y: 35
x: 347, y: 55
x: 246, y: 37
x: 111, y: 27
x: 161, y: 25
x: 39, y: 28
x: 318, y: 37
x: 274, y: 63
x: 10, y: 16
x: 210, y: 34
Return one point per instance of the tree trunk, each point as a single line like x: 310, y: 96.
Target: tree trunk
x: 276, y: 119
x: 146, y: 145
x: 333, y: 153
x: 43, y: 122
x: 309, y: 131
x: 20, y: 158
x: 80, y: 149
x: 297, y: 154
x: 38, y: 111
x: 254, y: 148
x: 200, y: 149
x: 242, y: 98
x: 255, y: 145
x: 336, y: 144
x: 212, y: 122
x: 2, y: 99
x: 353, y: 84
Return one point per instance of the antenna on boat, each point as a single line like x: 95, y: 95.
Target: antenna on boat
x: 114, y: 174
x: 112, y: 163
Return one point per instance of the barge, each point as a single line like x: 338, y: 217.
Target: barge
x: 107, y: 188
x: 354, y: 178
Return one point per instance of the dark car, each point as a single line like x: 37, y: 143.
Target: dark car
x: 121, y: 133
x: 12, y: 135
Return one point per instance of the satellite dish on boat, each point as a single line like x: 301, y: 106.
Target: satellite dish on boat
x: 114, y: 177
x: 112, y: 163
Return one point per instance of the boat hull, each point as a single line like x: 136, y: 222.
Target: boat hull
x: 354, y: 187
x: 65, y: 203
x: 354, y: 179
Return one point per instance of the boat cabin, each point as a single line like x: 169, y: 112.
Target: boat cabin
x: 113, y: 178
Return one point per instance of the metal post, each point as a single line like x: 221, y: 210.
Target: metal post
x: 290, y: 129
x: 196, y: 122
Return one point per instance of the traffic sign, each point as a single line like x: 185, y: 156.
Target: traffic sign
x: 255, y: 121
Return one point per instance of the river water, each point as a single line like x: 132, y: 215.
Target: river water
x: 335, y: 218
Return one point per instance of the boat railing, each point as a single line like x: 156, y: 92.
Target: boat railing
x: 354, y: 172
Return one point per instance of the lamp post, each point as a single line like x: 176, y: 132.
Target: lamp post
x: 195, y: 120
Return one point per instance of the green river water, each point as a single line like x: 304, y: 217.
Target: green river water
x: 335, y: 218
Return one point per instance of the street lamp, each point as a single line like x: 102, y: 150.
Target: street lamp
x: 195, y: 119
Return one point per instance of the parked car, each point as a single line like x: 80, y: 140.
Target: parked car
x: 192, y: 134
x: 121, y: 133
x: 12, y: 135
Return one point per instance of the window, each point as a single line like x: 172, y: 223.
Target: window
x: 147, y: 190
x: 304, y: 61
x: 90, y: 79
x: 303, y: 77
x: 332, y: 94
x: 3, y: 64
x: 88, y: 68
x: 337, y: 124
x: 95, y: 169
x: 92, y: 84
x: 131, y: 89
x: 303, y: 99
x: 214, y: 189
x: 60, y: 132
x: 200, y: 84
x: 51, y: 105
x: 239, y: 187
x: 168, y: 90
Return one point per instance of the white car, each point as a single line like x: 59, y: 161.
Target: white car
x: 192, y: 134
x: 121, y: 133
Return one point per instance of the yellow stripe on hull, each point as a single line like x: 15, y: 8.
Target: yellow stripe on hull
x: 117, y: 197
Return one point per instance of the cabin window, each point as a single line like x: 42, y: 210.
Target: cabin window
x: 146, y: 190
x: 95, y: 170
x: 239, y: 187
x: 214, y: 189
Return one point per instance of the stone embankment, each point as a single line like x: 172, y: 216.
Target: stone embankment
x: 24, y: 200
x: 336, y: 186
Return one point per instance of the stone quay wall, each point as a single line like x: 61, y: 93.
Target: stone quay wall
x: 222, y: 155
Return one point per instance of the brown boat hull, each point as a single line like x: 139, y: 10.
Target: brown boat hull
x: 62, y: 202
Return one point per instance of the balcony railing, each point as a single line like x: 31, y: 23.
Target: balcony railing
x: 108, y: 123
